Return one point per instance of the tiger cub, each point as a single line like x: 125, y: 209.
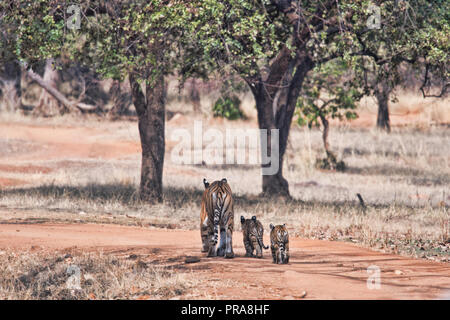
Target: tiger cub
x: 252, y: 231
x: 217, y: 211
x: 279, y: 243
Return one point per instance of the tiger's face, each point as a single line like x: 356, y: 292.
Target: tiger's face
x: 279, y: 243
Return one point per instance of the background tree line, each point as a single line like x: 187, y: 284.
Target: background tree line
x: 315, y: 59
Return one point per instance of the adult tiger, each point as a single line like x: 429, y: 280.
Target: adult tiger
x: 279, y: 243
x: 217, y: 211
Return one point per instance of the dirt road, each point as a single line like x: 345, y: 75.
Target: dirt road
x: 322, y: 269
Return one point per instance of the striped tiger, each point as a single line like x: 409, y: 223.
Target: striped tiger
x: 217, y: 212
x: 252, y: 231
x: 279, y: 243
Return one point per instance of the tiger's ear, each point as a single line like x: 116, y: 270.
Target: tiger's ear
x: 224, y: 180
x: 206, y: 183
x: 254, y: 218
x: 242, y: 219
x: 284, y: 225
x: 271, y: 226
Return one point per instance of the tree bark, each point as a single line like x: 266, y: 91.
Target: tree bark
x: 150, y: 109
x: 331, y: 158
x: 325, y: 134
x: 10, y: 85
x: 10, y: 96
x: 382, y: 94
x: 276, y: 184
x: 194, y: 95
x: 276, y: 98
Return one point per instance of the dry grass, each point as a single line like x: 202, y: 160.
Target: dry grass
x: 403, y: 178
x: 87, y: 276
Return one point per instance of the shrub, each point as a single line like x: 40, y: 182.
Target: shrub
x: 228, y: 107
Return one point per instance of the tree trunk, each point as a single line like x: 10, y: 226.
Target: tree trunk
x: 10, y: 96
x: 10, y: 86
x: 331, y: 158
x: 325, y: 134
x: 150, y: 109
x: 194, y: 95
x: 382, y: 95
x: 276, y: 99
x: 272, y: 184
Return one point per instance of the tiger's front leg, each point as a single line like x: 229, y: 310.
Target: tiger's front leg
x: 222, y: 244
x: 229, y: 243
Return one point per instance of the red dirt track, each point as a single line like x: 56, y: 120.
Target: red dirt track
x: 322, y: 269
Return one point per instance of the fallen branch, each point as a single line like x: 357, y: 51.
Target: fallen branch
x: 61, y: 98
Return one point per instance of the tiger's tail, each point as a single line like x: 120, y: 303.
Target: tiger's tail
x: 217, y: 214
x: 261, y: 243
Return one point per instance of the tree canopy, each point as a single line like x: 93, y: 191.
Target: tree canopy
x: 272, y: 44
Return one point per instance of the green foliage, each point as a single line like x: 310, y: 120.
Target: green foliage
x: 29, y: 31
x: 233, y: 85
x: 155, y: 37
x: 246, y: 35
x: 234, y: 33
x: 331, y: 90
x: 115, y: 37
x: 228, y: 107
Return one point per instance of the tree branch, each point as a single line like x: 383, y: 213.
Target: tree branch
x: 74, y: 106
